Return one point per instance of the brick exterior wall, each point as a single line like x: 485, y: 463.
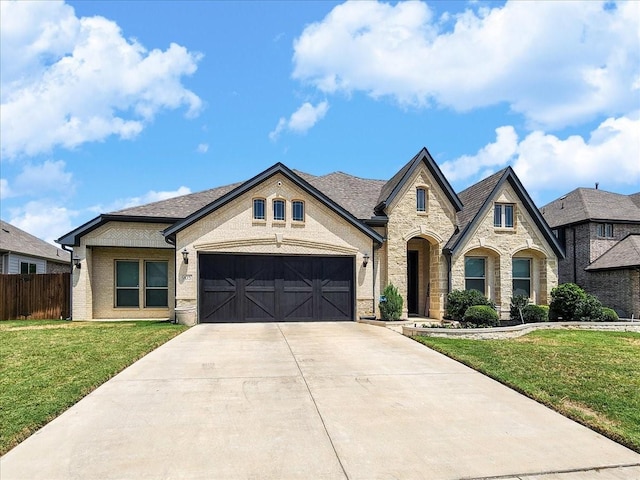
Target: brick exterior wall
x: 93, y: 293
x: 232, y: 229
x: 499, y: 246
x: 613, y: 288
x: 54, y: 267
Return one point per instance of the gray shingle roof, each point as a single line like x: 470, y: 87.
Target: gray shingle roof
x: 357, y: 195
x: 12, y: 239
x: 624, y: 254
x: 473, y: 198
x: 583, y: 204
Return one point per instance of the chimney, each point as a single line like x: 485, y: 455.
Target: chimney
x: 597, y: 183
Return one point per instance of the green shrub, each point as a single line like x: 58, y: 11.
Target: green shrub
x: 570, y: 302
x: 459, y: 300
x: 518, y: 302
x: 391, y: 308
x: 608, y: 315
x: 482, y: 315
x: 535, y: 314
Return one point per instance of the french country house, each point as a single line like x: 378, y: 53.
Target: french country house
x: 289, y: 246
x: 600, y: 232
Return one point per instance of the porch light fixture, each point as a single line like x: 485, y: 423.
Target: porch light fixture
x: 76, y: 261
x: 365, y: 259
x: 185, y: 256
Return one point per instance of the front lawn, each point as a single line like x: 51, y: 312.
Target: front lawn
x: 592, y: 377
x: 47, y: 366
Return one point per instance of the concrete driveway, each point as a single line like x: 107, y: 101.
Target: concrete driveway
x: 310, y: 401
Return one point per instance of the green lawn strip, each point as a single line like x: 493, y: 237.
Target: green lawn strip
x: 592, y: 377
x: 47, y: 366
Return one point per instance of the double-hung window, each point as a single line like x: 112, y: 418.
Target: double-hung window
x: 297, y: 211
x: 279, y: 210
x: 503, y: 215
x: 258, y: 209
x: 127, y: 283
x: 521, y: 275
x: 475, y: 274
x: 156, y: 284
x: 421, y: 199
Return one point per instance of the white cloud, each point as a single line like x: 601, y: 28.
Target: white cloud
x: 545, y: 162
x: 5, y: 189
x: 149, y: 197
x: 203, y: 148
x: 43, y: 219
x: 69, y: 80
x: 557, y: 63
x: 301, y: 120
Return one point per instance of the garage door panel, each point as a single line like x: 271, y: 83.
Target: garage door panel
x: 261, y: 288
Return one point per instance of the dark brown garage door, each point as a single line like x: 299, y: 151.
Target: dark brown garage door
x: 260, y: 288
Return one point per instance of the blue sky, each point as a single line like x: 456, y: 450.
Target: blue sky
x: 107, y: 105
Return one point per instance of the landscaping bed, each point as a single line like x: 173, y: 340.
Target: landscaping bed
x: 47, y: 366
x: 589, y: 376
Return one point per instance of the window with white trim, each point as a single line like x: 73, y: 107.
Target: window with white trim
x: 503, y: 215
x: 421, y: 199
x: 258, y: 209
x: 521, y: 276
x: 279, y: 210
x: 475, y: 274
x: 297, y: 211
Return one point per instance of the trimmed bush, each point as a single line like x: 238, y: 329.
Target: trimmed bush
x: 569, y: 302
x: 459, y: 300
x: 391, y: 309
x: 518, y: 302
x: 535, y: 314
x: 482, y: 316
x: 608, y: 315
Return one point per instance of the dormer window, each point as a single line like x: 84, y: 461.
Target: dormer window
x: 279, y: 210
x: 503, y: 215
x: 421, y: 199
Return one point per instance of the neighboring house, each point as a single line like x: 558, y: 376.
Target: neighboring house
x: 289, y: 246
x: 600, y: 232
x: 21, y: 252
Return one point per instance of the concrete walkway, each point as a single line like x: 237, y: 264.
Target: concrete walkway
x: 310, y: 401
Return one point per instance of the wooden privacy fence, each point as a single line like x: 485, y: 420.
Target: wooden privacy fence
x: 35, y: 296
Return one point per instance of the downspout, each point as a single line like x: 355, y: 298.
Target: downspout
x: 64, y: 247
x: 172, y: 241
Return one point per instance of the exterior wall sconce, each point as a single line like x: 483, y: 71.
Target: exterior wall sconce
x: 365, y: 259
x: 185, y: 256
x: 76, y: 261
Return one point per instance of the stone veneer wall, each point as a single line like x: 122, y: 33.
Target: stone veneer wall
x: 436, y: 225
x: 524, y: 240
x: 231, y: 229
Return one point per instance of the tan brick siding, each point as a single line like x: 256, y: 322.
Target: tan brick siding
x: 231, y: 229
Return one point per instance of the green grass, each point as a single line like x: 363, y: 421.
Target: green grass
x: 592, y: 377
x: 47, y: 366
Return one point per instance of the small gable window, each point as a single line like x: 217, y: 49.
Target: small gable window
x: 297, y: 211
x: 421, y: 199
x: 521, y: 274
x: 474, y: 274
x: 503, y: 215
x: 258, y: 209
x: 605, y: 230
x: 278, y: 210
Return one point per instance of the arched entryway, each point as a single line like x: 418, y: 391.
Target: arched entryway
x: 422, y: 277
